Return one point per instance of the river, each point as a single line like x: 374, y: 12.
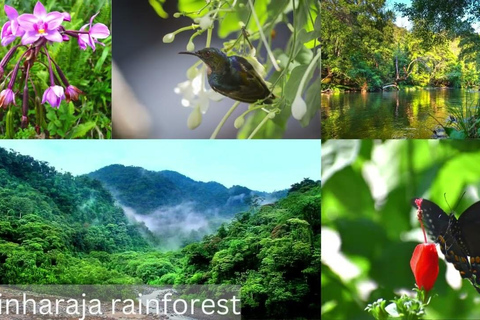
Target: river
x: 390, y: 115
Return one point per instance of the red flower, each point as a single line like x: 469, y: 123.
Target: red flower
x: 424, y: 264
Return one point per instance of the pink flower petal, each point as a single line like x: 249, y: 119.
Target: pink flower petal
x: 30, y: 37
x: 82, y: 41
x: 39, y: 10
x: 28, y: 21
x: 12, y: 14
x: 99, y: 31
x: 53, y: 35
x: 6, y: 29
x: 66, y: 16
x: 84, y: 27
x: 91, y: 42
x: 16, y: 29
x: 7, y: 35
x: 93, y: 17
x: 54, y: 20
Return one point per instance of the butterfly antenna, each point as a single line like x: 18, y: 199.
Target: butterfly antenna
x: 448, y: 204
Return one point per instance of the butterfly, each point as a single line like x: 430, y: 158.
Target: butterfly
x: 459, y: 239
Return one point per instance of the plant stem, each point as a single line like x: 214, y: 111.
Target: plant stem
x: 264, y: 39
x: 209, y: 37
x: 309, y: 69
x: 260, y: 125
x: 224, y: 119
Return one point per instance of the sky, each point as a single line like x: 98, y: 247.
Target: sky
x: 262, y: 165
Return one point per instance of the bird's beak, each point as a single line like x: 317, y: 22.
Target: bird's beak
x: 191, y: 53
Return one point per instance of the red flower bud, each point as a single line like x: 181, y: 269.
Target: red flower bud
x: 424, y: 264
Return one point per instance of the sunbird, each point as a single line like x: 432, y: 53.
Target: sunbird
x: 233, y: 76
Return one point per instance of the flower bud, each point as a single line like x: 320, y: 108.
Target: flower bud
x: 168, y: 38
x: 239, y: 122
x: 299, y: 108
x: 66, y: 16
x: 424, y: 265
x: 190, y: 46
x: 192, y: 72
x: 194, y: 119
x: 271, y: 115
x: 177, y: 15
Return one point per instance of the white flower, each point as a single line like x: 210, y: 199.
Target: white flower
x: 299, y: 107
x: 195, y: 95
x: 205, y: 22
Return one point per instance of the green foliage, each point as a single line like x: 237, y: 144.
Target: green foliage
x: 464, y: 122
x: 274, y: 254
x: 364, y: 50
x: 437, y: 16
x: 90, y: 71
x: 47, y: 218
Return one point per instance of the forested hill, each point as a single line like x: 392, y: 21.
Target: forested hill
x: 48, y: 210
x: 274, y: 254
x: 146, y: 191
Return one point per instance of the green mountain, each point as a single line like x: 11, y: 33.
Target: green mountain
x: 145, y: 191
x: 47, y: 217
x: 176, y: 209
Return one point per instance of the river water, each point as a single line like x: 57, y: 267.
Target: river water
x: 390, y: 115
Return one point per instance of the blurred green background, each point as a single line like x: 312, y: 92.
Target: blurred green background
x: 369, y: 228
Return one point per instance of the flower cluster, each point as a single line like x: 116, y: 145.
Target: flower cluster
x: 36, y: 31
x: 196, y: 95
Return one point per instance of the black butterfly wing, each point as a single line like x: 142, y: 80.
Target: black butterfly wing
x: 435, y: 219
x: 469, y: 228
x: 440, y: 227
x: 467, y: 232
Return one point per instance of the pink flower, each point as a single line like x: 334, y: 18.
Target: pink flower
x: 41, y: 24
x: 54, y: 95
x: 97, y: 31
x: 11, y: 28
x: 7, y: 97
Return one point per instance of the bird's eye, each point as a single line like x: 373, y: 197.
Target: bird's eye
x: 207, y: 54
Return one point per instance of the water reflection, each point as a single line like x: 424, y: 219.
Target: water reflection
x: 390, y: 115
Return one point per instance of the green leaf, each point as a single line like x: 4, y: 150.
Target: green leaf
x: 308, y: 22
x: 312, y: 98
x: 190, y: 6
x: 82, y: 129
x: 304, y: 56
x: 101, y: 61
x: 157, y: 6
x: 270, y: 130
x: 293, y: 82
x: 455, y: 134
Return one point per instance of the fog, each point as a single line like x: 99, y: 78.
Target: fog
x: 175, y: 226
